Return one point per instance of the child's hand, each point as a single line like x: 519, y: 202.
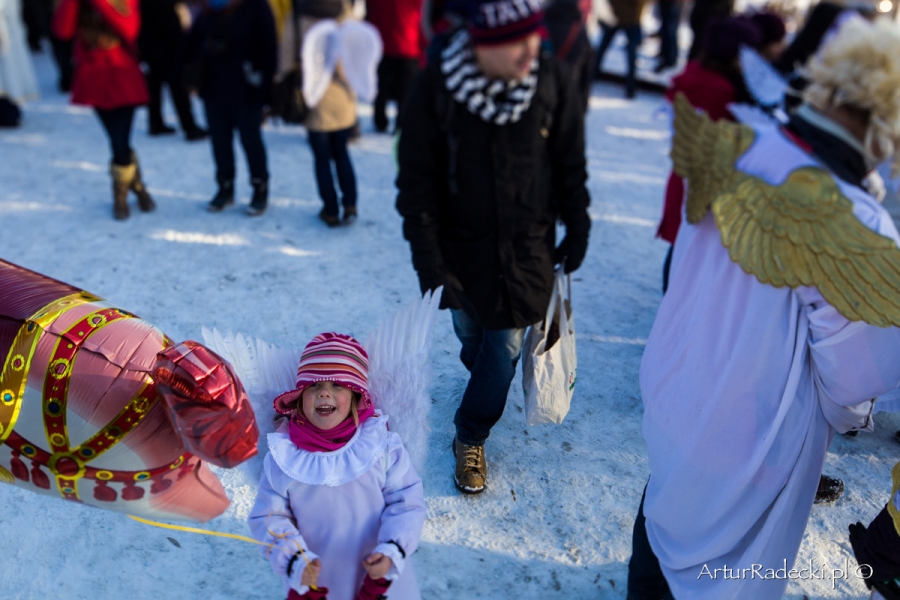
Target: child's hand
x: 311, y: 573
x: 377, y: 565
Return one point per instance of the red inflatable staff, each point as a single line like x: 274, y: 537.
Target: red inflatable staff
x: 98, y: 406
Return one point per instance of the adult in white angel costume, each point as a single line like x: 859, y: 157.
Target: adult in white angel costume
x: 779, y: 328
x: 342, y: 494
x: 17, y: 79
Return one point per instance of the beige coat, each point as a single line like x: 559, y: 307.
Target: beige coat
x: 337, y: 108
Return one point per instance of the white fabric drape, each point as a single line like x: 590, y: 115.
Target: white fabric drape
x: 17, y: 78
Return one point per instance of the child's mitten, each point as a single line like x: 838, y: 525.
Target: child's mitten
x: 373, y: 589
x: 877, y: 546
x: 316, y: 594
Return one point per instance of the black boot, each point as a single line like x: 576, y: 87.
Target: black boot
x: 260, y: 198
x: 223, y: 198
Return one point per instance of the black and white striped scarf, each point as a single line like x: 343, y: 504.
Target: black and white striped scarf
x: 492, y: 100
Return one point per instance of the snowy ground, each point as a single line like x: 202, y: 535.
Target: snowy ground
x: 556, y: 519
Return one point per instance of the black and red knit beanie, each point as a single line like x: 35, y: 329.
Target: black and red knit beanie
x: 496, y: 22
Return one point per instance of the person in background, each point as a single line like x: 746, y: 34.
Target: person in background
x: 568, y: 35
x: 236, y: 46
x: 107, y: 77
x: 399, y: 23
x: 703, y: 11
x: 772, y: 31
x: 159, y: 42
x: 670, y: 18
x: 18, y: 82
x: 628, y: 20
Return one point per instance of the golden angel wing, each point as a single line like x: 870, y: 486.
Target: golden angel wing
x: 804, y: 233
x: 704, y: 153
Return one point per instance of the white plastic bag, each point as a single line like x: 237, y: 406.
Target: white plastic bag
x: 550, y: 362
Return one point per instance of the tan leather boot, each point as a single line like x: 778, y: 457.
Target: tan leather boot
x: 471, y: 468
x: 122, y: 178
x: 145, y: 202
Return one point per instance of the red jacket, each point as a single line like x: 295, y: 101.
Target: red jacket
x: 711, y: 92
x: 107, y: 74
x: 399, y: 23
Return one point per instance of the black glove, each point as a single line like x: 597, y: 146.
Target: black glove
x: 878, y: 546
x: 453, y: 296
x: 572, y: 251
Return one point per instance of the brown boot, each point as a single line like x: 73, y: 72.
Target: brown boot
x: 471, y: 468
x: 145, y: 202
x: 122, y: 179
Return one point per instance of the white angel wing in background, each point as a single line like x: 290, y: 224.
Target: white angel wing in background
x: 765, y: 84
x: 399, y: 373
x: 318, y: 58
x: 359, y: 52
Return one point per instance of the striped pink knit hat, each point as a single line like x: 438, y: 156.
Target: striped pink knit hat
x: 331, y: 357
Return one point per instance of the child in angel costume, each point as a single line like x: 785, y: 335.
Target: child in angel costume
x: 783, y: 330
x: 340, y: 505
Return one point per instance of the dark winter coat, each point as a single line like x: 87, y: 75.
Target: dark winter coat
x: 492, y: 224
x: 237, y: 48
x: 161, y: 34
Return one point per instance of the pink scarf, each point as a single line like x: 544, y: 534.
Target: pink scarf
x: 308, y: 437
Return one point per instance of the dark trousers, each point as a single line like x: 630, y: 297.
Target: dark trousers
x: 395, y: 74
x: 667, y: 266
x: 223, y: 118
x: 158, y: 75
x: 117, y: 123
x: 633, y: 32
x: 670, y: 15
x: 328, y: 147
x: 490, y: 356
x: 645, y: 577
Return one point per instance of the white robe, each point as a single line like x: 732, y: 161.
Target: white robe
x: 17, y: 79
x: 744, y: 385
x: 345, y: 504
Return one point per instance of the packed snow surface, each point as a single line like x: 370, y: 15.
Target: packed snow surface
x: 556, y: 518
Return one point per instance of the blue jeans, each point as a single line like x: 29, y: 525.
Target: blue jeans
x: 223, y: 118
x: 328, y: 146
x: 490, y: 355
x: 633, y: 33
x: 670, y: 15
x: 645, y: 577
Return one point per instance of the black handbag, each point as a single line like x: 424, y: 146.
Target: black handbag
x: 287, y: 93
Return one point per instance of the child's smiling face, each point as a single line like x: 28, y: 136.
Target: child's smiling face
x: 326, y: 404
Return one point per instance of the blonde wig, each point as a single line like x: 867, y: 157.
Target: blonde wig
x: 860, y: 68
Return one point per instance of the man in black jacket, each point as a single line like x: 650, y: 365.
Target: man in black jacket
x: 491, y: 155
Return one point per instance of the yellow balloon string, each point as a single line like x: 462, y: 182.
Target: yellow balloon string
x: 233, y: 536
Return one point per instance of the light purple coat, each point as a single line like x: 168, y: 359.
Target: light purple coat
x: 340, y: 507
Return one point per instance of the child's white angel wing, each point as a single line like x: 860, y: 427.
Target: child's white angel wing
x: 359, y: 51
x: 399, y: 373
x: 318, y: 58
x: 765, y: 84
x: 265, y: 371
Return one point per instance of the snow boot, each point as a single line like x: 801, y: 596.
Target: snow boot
x: 330, y: 220
x: 350, y: 215
x: 223, y: 198
x: 260, y: 198
x: 122, y: 178
x: 830, y: 489
x: 471, y: 468
x: 145, y: 202
x: 373, y: 589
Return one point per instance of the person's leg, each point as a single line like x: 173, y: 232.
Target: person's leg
x: 248, y: 120
x: 634, y: 41
x: 468, y: 331
x: 669, y: 13
x: 221, y: 130
x: 608, y: 33
x: 337, y: 143
x: 321, y: 149
x: 155, y: 123
x: 491, y: 375
x: 667, y: 265
x: 645, y: 577
x: 380, y: 106
x: 117, y: 124
x: 182, y: 101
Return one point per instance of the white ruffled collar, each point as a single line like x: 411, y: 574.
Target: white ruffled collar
x: 341, y: 466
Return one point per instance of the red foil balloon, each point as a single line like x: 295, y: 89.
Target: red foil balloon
x: 98, y: 406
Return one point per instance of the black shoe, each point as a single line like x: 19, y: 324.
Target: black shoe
x: 852, y: 433
x: 830, y: 489
x: 192, y: 134
x: 160, y: 129
x: 260, y: 199
x: 350, y: 215
x: 330, y: 220
x: 897, y: 437
x: 223, y: 198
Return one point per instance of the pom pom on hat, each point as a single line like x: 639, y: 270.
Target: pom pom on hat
x: 495, y: 22
x: 331, y: 357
